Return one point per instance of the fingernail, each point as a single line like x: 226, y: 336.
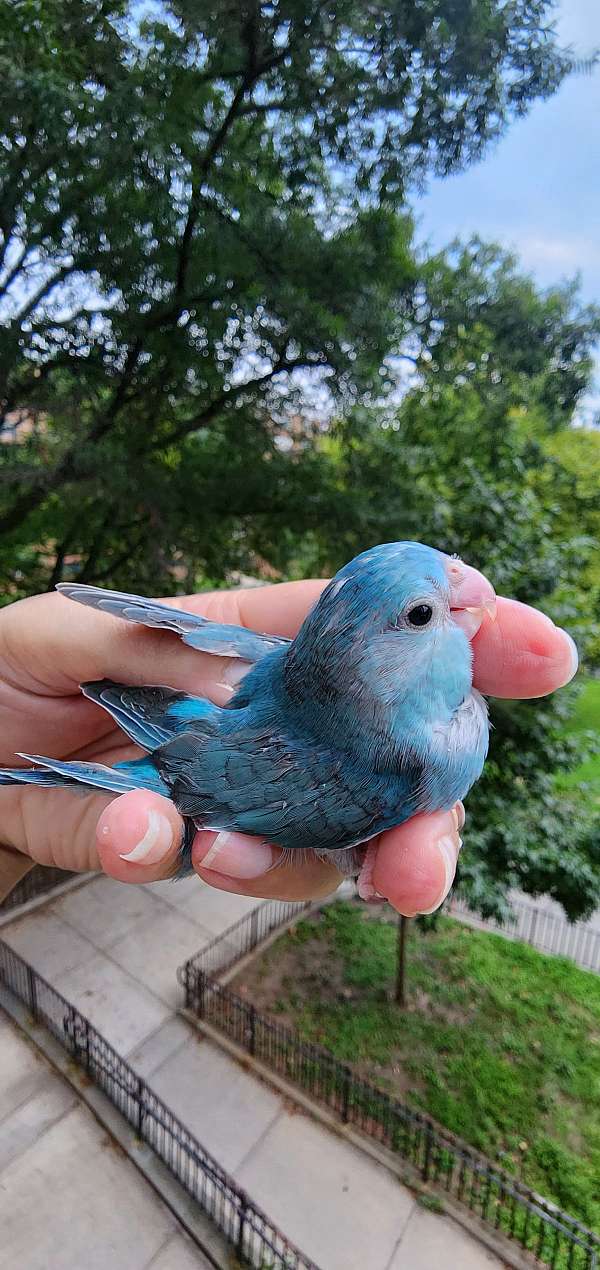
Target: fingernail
x: 458, y: 816
x: 573, y: 652
x: 238, y: 856
x: 233, y: 673
x: 155, y: 844
x: 448, y: 848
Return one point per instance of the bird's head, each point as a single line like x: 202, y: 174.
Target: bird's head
x: 394, y: 624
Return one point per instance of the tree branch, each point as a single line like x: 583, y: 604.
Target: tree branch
x: 9, y: 208
x: 57, y: 568
x: 67, y: 468
x: 104, y: 423
x: 194, y: 203
x: 250, y: 76
x: 263, y: 107
x: 208, y: 413
x: 41, y: 293
x: 14, y: 270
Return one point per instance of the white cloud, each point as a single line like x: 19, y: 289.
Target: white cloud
x: 568, y: 254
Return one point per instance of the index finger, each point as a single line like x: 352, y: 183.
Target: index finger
x: 521, y: 654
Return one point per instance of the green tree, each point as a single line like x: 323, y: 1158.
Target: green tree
x: 203, y: 220
x: 196, y: 209
x: 576, y: 452
x: 479, y: 458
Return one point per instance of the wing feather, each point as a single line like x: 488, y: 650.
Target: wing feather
x: 208, y: 637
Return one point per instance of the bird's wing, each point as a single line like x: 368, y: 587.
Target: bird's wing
x: 285, y: 791
x: 198, y: 632
x: 149, y: 715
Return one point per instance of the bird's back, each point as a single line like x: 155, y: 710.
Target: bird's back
x: 257, y: 767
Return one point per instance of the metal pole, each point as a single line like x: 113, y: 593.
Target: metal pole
x: 201, y: 986
x: 239, y: 1245
x: 141, y: 1108
x: 32, y: 986
x: 254, y: 928
x: 400, y: 994
x: 252, y: 1029
x: 533, y: 927
x: 428, y: 1146
x: 346, y: 1094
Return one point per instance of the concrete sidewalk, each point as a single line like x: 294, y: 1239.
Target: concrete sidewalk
x: 68, y: 1196
x: 113, y: 951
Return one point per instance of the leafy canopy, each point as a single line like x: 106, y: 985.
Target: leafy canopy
x: 197, y: 206
x: 203, y: 221
x: 478, y: 458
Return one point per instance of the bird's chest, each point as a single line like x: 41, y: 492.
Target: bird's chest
x: 457, y: 751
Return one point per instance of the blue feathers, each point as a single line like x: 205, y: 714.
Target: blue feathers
x: 138, y: 774
x: 367, y: 717
x: 207, y: 637
x: 149, y: 716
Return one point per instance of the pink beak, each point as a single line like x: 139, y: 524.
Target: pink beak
x: 471, y: 596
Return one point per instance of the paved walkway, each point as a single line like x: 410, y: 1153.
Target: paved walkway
x: 68, y: 1196
x: 113, y: 951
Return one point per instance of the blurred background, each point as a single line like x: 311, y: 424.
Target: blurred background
x: 279, y: 280
x: 282, y: 280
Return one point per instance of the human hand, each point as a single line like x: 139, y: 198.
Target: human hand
x: 49, y: 646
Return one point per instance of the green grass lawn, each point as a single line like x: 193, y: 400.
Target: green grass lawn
x: 499, y: 1043
x: 586, y: 717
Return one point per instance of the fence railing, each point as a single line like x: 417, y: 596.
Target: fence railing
x: 37, y: 882
x: 255, y: 1239
x: 229, y: 948
x: 543, y: 930
x: 549, y: 1235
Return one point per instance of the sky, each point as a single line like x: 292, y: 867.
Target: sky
x: 538, y: 190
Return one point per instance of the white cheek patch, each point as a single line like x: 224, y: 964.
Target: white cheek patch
x: 469, y: 620
x: 463, y: 733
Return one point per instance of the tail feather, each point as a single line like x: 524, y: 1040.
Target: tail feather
x: 27, y: 776
x: 140, y: 774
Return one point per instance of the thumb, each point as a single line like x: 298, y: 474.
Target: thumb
x: 139, y: 837
x: 415, y: 863
x: 134, y: 838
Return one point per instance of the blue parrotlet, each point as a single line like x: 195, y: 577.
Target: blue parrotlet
x: 365, y: 718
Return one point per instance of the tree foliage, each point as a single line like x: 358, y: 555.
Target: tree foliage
x: 471, y: 459
x: 204, y: 227
x: 197, y: 206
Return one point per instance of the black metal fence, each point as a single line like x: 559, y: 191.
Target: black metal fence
x: 37, y: 882
x: 227, y: 949
x: 256, y: 1241
x: 542, y: 929
x: 550, y: 1236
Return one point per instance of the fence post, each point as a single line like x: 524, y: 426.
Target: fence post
x: 533, y: 928
x: 239, y: 1243
x: 199, y: 995
x: 80, y: 1037
x: 252, y: 1029
x: 86, y: 1046
x: 346, y: 1094
x: 32, y: 992
x: 254, y: 928
x: 428, y: 1146
x: 187, y: 984
x: 141, y: 1107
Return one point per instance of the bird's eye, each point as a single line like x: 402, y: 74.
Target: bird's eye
x: 420, y: 615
